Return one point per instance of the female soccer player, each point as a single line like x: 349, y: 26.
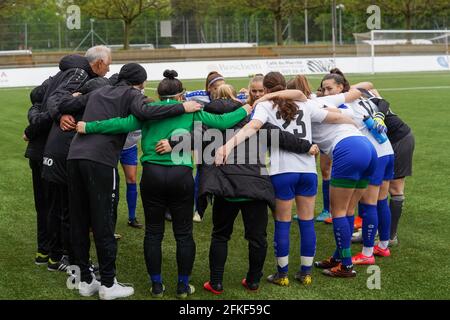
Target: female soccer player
x: 128, y: 159
x: 402, y: 139
x: 293, y: 176
x: 213, y: 81
x: 374, y: 207
x: 355, y: 160
x: 255, y: 88
x: 300, y: 82
x: 167, y: 181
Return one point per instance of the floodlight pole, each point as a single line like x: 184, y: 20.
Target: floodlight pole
x: 446, y: 47
x: 340, y: 7
x: 333, y: 27
x: 306, y: 22
x: 372, y: 47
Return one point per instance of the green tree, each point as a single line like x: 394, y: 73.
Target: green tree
x: 125, y: 10
x: 411, y: 8
x: 282, y: 9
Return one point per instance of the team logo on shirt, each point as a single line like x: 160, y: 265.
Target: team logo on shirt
x: 48, y: 162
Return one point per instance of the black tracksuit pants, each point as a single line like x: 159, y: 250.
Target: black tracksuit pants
x: 93, y: 199
x: 40, y: 190
x: 58, y: 222
x: 255, y: 217
x: 170, y: 187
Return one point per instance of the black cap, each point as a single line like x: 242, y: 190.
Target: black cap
x: 133, y: 73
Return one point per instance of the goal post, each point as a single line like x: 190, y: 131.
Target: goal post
x: 378, y: 43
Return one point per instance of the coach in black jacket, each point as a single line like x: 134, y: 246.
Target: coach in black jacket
x: 74, y: 71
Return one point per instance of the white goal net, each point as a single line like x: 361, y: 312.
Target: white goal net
x: 395, y: 43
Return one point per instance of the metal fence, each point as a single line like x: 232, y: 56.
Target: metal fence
x: 258, y: 29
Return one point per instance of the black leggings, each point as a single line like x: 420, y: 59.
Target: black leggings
x: 254, y: 215
x: 170, y: 187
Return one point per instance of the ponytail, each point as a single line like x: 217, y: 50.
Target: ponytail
x: 273, y: 82
x: 338, y: 76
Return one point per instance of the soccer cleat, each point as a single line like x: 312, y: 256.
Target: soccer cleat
x: 279, y: 278
x: 158, y: 289
x: 340, y: 271
x: 183, y: 291
x: 117, y: 290
x: 381, y: 252
x: 328, y: 220
x: 304, y: 278
x: 327, y: 263
x: 323, y: 215
x: 358, y: 223
x: 214, y: 288
x: 197, y: 217
x: 361, y: 259
x: 250, y: 286
x: 393, y: 242
x: 89, y: 289
x: 41, y: 259
x: 117, y: 236
x: 134, y: 224
x: 357, y: 236
x: 60, y: 265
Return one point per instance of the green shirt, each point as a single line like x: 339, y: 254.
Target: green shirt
x: 155, y: 130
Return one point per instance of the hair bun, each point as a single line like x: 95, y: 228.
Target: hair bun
x: 337, y: 71
x: 278, y: 87
x: 171, y: 74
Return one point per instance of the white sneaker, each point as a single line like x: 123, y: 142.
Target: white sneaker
x: 357, y: 236
x: 118, y: 290
x: 197, y: 217
x: 89, y: 289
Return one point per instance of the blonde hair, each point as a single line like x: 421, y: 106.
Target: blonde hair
x: 257, y: 78
x: 300, y: 82
x: 225, y: 91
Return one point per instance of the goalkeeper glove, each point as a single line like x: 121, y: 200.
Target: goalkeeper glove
x: 380, y: 126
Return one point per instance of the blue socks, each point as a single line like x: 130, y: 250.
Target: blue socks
x: 384, y: 220
x: 326, y: 194
x: 157, y: 278
x: 307, y: 244
x: 131, y: 200
x: 281, y: 244
x: 370, y: 225
x: 361, y: 210
x: 184, y: 279
x: 351, y: 224
x: 343, y: 239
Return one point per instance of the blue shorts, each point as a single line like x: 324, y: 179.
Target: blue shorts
x: 384, y: 171
x: 354, y: 162
x: 129, y: 157
x: 289, y: 185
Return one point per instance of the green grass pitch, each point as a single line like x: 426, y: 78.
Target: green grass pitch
x: 418, y: 269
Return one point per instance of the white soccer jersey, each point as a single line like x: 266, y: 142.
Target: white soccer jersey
x: 200, y: 96
x: 132, y: 139
x: 282, y: 161
x: 362, y: 108
x: 203, y: 97
x: 327, y: 136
